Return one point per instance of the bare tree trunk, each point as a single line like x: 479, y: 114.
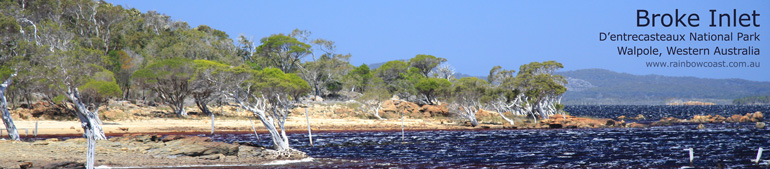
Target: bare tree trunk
x: 91, y: 152
x: 7, y: 120
x: 202, y: 105
x: 505, y: 118
x: 309, y: 132
x: 373, y: 108
x: 260, y: 109
x: 88, y: 119
x: 90, y: 122
x: 470, y: 114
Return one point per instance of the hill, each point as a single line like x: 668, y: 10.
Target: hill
x: 599, y: 86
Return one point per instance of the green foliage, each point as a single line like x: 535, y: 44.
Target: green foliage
x: 425, y: 63
x: 537, y: 80
x: 202, y: 66
x: 334, y: 86
x: 392, y: 71
x: 60, y: 99
x: 102, y: 88
x: 359, y: 78
x: 752, y: 100
x: 375, y: 91
x: 8, y: 25
x: 431, y: 87
x: 174, y: 68
x: 282, y: 51
x: 5, y: 72
x: 269, y: 82
x: 469, y: 85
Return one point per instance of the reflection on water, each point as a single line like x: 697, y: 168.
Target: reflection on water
x: 730, y: 145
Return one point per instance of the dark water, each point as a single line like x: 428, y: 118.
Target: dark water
x: 730, y: 145
x: 656, y: 112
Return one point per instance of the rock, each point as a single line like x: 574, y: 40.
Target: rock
x: 25, y: 165
x: 173, y: 137
x: 621, y: 117
x: 198, y: 146
x: 760, y: 125
x: 734, y: 119
x: 757, y: 116
x: 701, y: 126
x: 555, y: 125
x: 52, y: 139
x: 610, y: 123
x: 640, y: 117
x: 395, y: 97
x: 212, y: 157
x: 69, y: 164
x: 700, y: 118
x: 635, y: 125
x: 40, y: 143
x: 666, y: 121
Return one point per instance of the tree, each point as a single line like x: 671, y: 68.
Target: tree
x: 75, y: 71
x: 170, y: 79
x: 204, y: 89
x: 445, y: 71
x: 326, y: 70
x: 269, y: 94
x: 6, y: 115
x: 425, y: 63
x: 374, y: 96
x: 533, y: 91
x: 359, y: 78
x: 467, y: 93
x: 392, y: 71
x: 430, y: 87
x: 245, y: 48
x: 282, y: 51
x: 542, y: 88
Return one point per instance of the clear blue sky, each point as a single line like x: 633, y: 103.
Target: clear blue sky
x: 477, y: 35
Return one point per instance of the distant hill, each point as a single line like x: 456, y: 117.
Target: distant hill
x: 599, y: 86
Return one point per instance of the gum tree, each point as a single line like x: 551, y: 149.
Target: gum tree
x: 9, y: 29
x: 467, y: 93
x: 269, y: 94
x: 425, y: 63
x: 282, y: 51
x: 373, y: 97
x: 431, y: 87
x: 7, y: 120
x: 86, y: 86
x: 533, y: 91
x: 204, y: 90
x: 325, y: 70
x: 359, y: 78
x: 170, y: 79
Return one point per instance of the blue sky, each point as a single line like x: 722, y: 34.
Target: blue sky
x: 477, y: 35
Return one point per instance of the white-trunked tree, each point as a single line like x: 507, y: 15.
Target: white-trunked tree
x: 534, y: 90
x: 86, y: 86
x: 7, y: 120
x: 269, y: 94
x: 468, y: 93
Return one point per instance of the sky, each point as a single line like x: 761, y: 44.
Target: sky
x: 475, y: 36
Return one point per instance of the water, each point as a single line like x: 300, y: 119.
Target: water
x: 730, y: 145
x: 656, y: 112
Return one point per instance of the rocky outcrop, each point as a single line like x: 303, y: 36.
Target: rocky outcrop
x: 567, y: 121
x: 194, y: 146
x: 748, y: 118
x: 392, y: 108
x: 638, y: 117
